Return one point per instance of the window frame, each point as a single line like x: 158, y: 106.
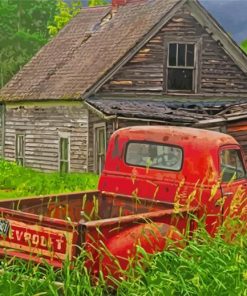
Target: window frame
x: 185, y: 67
x: 19, y: 157
x: 63, y: 137
x: 150, y: 167
x: 197, y: 42
x: 240, y: 155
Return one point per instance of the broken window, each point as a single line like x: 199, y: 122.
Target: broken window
x: 181, y: 67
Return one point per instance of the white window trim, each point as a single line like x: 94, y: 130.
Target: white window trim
x: 197, y: 60
x: 193, y: 68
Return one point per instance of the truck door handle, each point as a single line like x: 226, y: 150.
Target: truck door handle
x: 228, y: 193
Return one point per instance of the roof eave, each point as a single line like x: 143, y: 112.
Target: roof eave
x: 219, y: 35
x: 98, y: 112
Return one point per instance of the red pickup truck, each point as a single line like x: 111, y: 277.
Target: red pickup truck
x: 154, y: 178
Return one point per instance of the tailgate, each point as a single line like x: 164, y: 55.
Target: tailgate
x: 38, y: 238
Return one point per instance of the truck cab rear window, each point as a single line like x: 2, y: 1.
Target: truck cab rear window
x: 154, y: 155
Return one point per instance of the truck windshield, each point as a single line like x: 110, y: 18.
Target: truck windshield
x: 154, y: 155
x: 232, y: 167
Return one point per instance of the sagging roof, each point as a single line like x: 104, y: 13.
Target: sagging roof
x: 96, y: 43
x: 85, y: 50
x: 172, y: 112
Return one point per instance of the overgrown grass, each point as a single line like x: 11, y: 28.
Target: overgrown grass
x: 16, y: 181
x: 206, y: 267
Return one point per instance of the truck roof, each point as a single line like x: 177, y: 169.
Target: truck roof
x: 176, y: 135
x: 201, y: 155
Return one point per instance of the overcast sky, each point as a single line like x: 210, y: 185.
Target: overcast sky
x: 231, y: 14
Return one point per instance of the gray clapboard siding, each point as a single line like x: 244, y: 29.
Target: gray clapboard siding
x: 42, y: 127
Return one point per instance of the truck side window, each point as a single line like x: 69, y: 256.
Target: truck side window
x: 154, y: 155
x: 231, y: 163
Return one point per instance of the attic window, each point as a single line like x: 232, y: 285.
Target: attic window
x: 181, y: 67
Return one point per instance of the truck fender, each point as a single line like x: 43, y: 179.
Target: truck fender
x: 122, y: 248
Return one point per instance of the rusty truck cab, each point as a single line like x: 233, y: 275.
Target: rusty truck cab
x: 179, y: 165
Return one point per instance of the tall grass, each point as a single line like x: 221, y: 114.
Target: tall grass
x: 17, y: 181
x: 206, y: 266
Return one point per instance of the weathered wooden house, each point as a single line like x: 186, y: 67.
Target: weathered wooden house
x: 129, y: 63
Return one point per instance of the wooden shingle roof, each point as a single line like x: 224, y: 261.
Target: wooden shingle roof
x: 86, y: 49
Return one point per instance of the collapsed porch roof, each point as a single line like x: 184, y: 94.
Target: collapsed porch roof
x: 191, y: 112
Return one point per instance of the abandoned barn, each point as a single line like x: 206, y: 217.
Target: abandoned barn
x: 130, y: 63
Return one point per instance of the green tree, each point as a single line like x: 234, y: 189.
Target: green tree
x: 244, y: 45
x: 64, y: 13
x: 26, y: 25
x: 23, y: 30
x: 96, y: 2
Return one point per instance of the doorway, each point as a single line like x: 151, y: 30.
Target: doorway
x: 99, y: 147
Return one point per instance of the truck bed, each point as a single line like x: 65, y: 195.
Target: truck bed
x: 55, y: 227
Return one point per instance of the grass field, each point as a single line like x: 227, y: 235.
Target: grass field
x: 205, y: 267
x: 16, y: 181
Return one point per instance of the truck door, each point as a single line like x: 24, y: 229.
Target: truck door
x: 234, y: 183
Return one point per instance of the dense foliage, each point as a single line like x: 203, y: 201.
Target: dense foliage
x: 23, y: 30
x: 64, y: 13
x: 26, y: 25
x: 16, y: 181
